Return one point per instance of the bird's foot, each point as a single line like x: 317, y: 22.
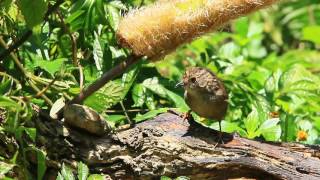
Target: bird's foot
x: 220, y: 140
x: 186, y: 116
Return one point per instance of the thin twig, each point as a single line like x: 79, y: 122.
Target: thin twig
x: 45, y: 88
x: 75, y: 60
x: 128, y: 110
x: 28, y: 33
x: 125, y: 113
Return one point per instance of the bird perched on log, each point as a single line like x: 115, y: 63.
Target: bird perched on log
x: 205, y: 94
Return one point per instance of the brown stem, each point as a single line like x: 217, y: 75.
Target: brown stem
x: 75, y: 61
x: 45, y: 88
x: 125, y: 112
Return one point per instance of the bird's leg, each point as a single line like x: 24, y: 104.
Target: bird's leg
x: 186, y: 115
x: 220, y: 136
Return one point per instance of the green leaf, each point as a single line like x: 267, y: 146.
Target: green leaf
x: 98, y: 53
x: 138, y: 95
x: 311, y: 33
x: 41, y: 164
x: 5, y: 168
x: 59, y: 177
x: 229, y: 127
x: 8, y: 103
x: 115, y: 120
x: 83, y: 171
x: 31, y: 132
x: 33, y: 11
x: 165, y: 178
x: 252, y: 123
x: 150, y: 114
x: 270, y: 123
x: 113, y: 92
x: 51, y: 66
x: 272, y: 134
x: 113, y: 16
x: 66, y: 173
x: 96, y: 177
x: 150, y: 102
x: 153, y: 85
x: 271, y: 85
x: 300, y: 81
x: 5, y: 86
x: 270, y: 129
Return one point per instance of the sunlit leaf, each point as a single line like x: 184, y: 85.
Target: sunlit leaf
x: 66, y: 173
x: 83, y: 171
x: 311, y: 33
x: 33, y: 11
x: 5, y: 168
x: 150, y: 114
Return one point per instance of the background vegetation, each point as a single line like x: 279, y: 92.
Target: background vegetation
x: 269, y: 61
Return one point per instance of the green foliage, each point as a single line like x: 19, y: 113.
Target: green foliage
x: 268, y: 61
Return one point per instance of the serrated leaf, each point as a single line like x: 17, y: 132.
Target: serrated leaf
x: 113, y: 92
x: 153, y: 85
x: 83, y: 171
x: 33, y: 11
x: 113, y: 17
x: 118, y: 4
x: 66, y: 173
x: 295, y: 75
x: 252, y: 123
x: 272, y: 83
x: 98, y: 53
x: 138, y: 95
x: 59, y: 177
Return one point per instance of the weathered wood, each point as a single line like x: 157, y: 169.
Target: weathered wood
x: 169, y: 146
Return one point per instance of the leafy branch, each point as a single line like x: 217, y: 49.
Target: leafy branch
x: 28, y: 33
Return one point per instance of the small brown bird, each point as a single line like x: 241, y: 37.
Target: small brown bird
x: 205, y: 94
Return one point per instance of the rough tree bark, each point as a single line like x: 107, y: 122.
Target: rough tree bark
x: 167, y: 145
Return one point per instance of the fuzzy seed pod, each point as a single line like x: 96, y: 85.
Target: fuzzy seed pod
x: 156, y: 30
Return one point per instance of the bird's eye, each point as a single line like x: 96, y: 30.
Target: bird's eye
x: 193, y: 80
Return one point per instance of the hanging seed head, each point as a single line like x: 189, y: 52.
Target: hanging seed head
x: 158, y: 29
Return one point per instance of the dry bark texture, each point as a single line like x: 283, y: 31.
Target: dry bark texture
x: 167, y: 145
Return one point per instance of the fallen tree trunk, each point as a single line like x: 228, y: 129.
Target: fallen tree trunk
x: 167, y: 145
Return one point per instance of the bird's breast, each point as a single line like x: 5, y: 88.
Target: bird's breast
x: 206, y: 105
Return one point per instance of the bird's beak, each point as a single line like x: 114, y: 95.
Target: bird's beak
x: 179, y: 84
